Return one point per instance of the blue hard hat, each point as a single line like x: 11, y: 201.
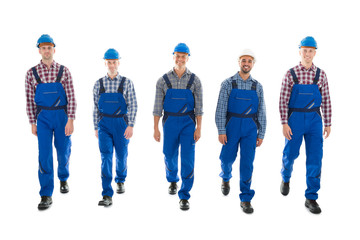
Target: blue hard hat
x: 308, y: 42
x: 45, y: 38
x: 183, y: 48
x: 111, y: 54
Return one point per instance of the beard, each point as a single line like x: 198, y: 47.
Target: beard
x: 246, y: 71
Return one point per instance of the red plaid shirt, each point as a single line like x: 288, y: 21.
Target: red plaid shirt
x: 305, y: 77
x: 48, y: 76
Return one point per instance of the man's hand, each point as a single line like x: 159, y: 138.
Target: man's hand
x: 327, y: 131
x: 287, y: 131
x: 157, y: 134
x: 223, y: 139
x: 96, y: 133
x: 128, y: 132
x: 34, y: 129
x: 69, y: 128
x: 197, y: 134
x: 259, y: 142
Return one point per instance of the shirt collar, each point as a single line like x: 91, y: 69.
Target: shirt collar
x: 187, y: 71
x: 115, y: 78
x: 237, y: 76
x: 43, y: 65
x: 302, y: 68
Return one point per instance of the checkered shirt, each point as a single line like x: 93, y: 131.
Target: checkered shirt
x: 305, y: 77
x: 48, y: 76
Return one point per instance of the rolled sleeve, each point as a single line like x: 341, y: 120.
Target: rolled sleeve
x: 221, y: 108
x: 159, y: 97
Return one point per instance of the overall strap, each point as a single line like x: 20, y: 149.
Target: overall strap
x: 60, y: 73
x: 234, y: 84
x: 167, y: 81
x: 121, y: 86
x: 253, y: 86
x: 102, y: 89
x: 296, y: 80
x: 317, y: 76
x: 191, y: 81
x: 36, y: 75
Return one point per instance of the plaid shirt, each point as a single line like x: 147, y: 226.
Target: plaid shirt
x: 222, y: 105
x: 48, y: 76
x: 305, y: 77
x: 177, y: 83
x: 111, y: 86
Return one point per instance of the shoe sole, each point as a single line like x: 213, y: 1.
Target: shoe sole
x: 248, y: 211
x: 41, y: 208
x: 105, y: 205
x: 120, y: 192
x: 64, y: 191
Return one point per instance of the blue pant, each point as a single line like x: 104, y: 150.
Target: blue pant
x: 111, y: 135
x: 309, y: 126
x: 179, y: 130
x: 243, y: 132
x: 52, y: 123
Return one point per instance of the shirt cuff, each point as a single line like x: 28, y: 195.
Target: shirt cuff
x: 222, y: 131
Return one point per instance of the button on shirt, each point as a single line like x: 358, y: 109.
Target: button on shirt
x: 48, y: 76
x: 111, y: 86
x: 305, y: 76
x: 177, y: 83
x: 222, y: 105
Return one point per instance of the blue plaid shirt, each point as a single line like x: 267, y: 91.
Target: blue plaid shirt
x: 111, y: 86
x: 222, y: 105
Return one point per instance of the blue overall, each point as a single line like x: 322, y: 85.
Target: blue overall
x: 241, y: 128
x: 111, y: 129
x: 51, y: 113
x: 179, y: 128
x: 305, y: 121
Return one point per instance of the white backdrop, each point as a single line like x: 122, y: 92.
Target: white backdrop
x: 145, y: 33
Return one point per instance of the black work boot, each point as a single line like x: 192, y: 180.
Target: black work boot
x: 285, y: 188
x: 313, y: 206
x: 106, y: 201
x: 120, y: 187
x: 184, y: 204
x: 246, y: 207
x: 45, y: 203
x: 225, y: 187
x: 173, y: 188
x: 64, y: 187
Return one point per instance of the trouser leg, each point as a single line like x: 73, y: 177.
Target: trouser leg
x: 171, y: 149
x: 290, y: 153
x: 187, y: 143
x: 63, y: 148
x: 46, y: 169
x: 106, y: 151
x: 247, y: 155
x: 314, y: 154
x: 121, y: 152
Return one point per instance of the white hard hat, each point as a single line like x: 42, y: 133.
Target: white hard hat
x: 248, y: 52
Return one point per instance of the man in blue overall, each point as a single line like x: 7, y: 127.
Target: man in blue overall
x: 241, y: 120
x: 304, y: 91
x: 51, y: 107
x: 115, y: 108
x: 179, y: 94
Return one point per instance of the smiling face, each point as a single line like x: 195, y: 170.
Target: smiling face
x: 180, y: 59
x: 47, y: 52
x: 112, y: 65
x: 246, y: 63
x: 307, y: 54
